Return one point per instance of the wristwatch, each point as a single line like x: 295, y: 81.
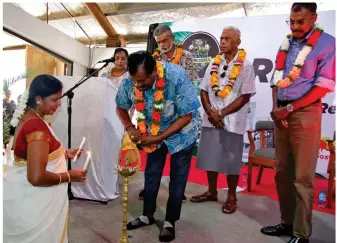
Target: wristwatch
x: 290, y: 108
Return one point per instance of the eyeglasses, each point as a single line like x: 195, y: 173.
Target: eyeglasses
x: 298, y: 22
x: 222, y: 75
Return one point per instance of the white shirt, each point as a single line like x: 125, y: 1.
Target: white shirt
x: 244, y: 84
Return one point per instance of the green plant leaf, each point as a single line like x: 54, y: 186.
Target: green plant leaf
x: 7, y: 82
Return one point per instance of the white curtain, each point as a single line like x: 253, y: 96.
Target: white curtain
x: 93, y: 117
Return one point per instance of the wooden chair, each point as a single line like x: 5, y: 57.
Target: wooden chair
x: 331, y: 171
x: 263, y: 156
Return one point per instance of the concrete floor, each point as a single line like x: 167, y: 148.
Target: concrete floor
x: 96, y: 223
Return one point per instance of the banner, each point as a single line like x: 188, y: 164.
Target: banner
x: 261, y: 37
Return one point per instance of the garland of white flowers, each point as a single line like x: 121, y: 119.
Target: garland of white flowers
x: 20, y: 109
x: 299, y: 62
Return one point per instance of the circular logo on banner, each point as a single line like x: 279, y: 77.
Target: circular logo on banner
x: 203, y: 46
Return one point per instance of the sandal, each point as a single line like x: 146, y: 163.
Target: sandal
x: 229, y: 206
x: 205, y: 197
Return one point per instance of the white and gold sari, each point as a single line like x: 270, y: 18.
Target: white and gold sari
x: 35, y: 214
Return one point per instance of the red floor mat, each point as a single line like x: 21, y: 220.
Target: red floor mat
x: 266, y: 188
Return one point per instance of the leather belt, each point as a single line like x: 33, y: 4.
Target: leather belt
x: 282, y: 103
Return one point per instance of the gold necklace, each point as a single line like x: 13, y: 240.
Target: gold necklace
x: 36, y: 113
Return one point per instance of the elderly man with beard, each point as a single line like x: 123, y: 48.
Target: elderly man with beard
x: 174, y: 53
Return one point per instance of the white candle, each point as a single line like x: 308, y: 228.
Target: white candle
x: 79, y: 149
x: 87, y: 161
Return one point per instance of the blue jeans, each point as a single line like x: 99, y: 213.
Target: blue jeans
x: 180, y: 167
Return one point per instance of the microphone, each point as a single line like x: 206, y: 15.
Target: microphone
x: 112, y: 59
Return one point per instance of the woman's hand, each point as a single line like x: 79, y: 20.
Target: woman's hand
x: 77, y: 175
x: 70, y: 153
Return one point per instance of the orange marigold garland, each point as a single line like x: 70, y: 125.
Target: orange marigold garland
x: 214, y: 82
x: 177, y: 57
x: 156, y: 110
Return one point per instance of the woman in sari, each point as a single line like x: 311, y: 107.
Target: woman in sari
x: 119, y: 72
x: 35, y: 203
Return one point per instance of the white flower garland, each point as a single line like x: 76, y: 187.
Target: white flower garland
x: 299, y: 62
x: 20, y: 109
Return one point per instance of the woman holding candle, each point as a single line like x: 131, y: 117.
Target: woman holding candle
x: 35, y: 203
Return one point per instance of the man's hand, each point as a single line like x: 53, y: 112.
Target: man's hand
x: 148, y: 140
x: 214, y: 118
x: 134, y: 134
x: 279, y: 113
x: 281, y: 123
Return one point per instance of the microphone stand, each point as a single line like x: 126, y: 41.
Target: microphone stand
x: 70, y: 94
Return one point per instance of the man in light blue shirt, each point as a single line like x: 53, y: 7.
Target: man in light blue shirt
x: 177, y: 136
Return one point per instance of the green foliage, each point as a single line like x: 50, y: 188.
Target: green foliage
x: 8, y: 82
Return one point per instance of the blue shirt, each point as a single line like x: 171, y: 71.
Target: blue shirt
x: 181, y: 98
x: 319, y: 67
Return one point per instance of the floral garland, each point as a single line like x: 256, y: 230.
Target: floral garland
x: 177, y: 58
x: 278, y: 80
x: 214, y: 82
x: 156, y: 111
x: 20, y: 109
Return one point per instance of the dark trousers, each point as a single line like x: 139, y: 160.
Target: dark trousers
x: 180, y: 167
x: 296, y: 154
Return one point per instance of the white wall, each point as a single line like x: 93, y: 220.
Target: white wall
x: 79, y: 70
x: 14, y: 66
x: 45, y: 35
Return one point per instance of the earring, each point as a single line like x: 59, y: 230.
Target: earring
x: 38, y: 102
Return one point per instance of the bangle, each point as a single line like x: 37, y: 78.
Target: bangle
x: 60, y: 178
x: 68, y: 176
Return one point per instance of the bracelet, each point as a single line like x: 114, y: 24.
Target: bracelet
x: 68, y: 176
x: 60, y: 178
x: 66, y: 154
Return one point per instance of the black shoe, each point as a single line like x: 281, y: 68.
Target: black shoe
x: 141, y: 195
x: 137, y: 223
x: 184, y: 199
x: 167, y: 234
x: 298, y: 240
x: 278, y: 230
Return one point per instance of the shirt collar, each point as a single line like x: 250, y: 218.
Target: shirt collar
x: 292, y: 39
x: 223, y: 59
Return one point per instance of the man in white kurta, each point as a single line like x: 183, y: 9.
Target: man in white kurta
x: 224, y: 121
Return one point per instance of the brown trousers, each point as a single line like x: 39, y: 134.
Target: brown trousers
x: 297, y: 150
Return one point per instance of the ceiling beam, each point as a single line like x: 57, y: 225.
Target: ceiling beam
x: 12, y: 48
x: 114, y: 39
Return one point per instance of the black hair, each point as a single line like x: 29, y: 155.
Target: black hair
x: 118, y: 50
x: 44, y: 86
x: 312, y: 7
x: 139, y: 58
